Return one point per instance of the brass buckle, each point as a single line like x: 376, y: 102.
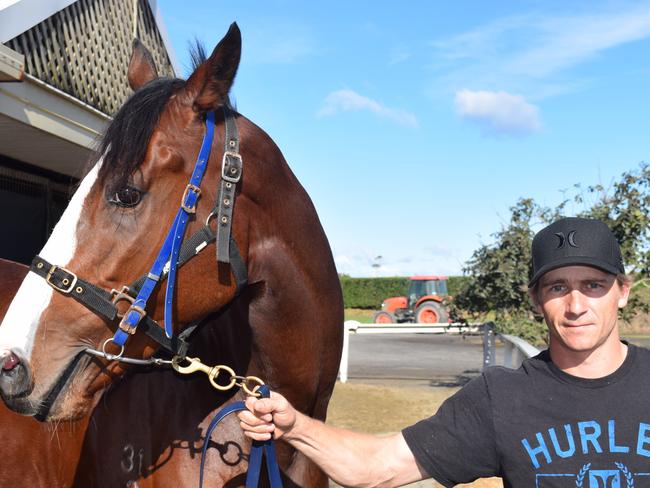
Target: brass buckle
x: 128, y: 328
x: 196, y: 190
x: 122, y: 295
x: 224, y: 176
x: 69, y: 285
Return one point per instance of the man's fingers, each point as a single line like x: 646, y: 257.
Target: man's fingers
x: 258, y: 420
x: 250, y: 402
x: 252, y: 419
x: 255, y: 428
x: 264, y: 406
x: 259, y: 405
x: 257, y: 437
x: 258, y: 429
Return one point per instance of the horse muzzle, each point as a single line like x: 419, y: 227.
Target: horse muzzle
x: 16, y: 380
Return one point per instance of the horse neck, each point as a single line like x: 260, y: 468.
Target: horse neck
x: 297, y: 305
x: 288, y: 250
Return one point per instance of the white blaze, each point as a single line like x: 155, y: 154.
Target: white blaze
x: 21, y: 321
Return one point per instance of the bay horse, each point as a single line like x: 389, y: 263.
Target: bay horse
x: 109, y: 236
x: 32, y: 453
x: 160, y: 449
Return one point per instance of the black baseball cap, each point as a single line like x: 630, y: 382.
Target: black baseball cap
x: 575, y: 241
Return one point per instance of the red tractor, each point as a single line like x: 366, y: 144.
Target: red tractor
x: 423, y: 303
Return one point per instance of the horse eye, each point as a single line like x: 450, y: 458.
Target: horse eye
x: 126, y: 197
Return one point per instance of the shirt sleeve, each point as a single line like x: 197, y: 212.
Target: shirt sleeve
x: 457, y: 444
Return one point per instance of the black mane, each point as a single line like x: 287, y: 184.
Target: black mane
x: 126, y: 139
x: 197, y: 53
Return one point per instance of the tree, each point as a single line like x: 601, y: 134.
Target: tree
x: 498, y: 272
x: 625, y: 207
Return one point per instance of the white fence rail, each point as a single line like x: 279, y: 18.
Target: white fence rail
x: 354, y: 327
x: 516, y: 349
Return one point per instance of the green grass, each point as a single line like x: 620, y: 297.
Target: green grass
x: 359, y: 314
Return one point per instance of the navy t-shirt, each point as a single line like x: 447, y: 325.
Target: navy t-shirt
x: 540, y: 427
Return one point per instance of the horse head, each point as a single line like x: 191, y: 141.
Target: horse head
x: 111, y: 232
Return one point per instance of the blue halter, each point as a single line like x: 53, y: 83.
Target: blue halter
x: 168, y: 257
x: 170, y: 248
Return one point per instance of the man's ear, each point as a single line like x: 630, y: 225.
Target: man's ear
x: 532, y: 295
x: 625, y: 294
x: 142, y: 68
x: 207, y: 88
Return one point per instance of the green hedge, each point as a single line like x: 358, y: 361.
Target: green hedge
x: 370, y: 292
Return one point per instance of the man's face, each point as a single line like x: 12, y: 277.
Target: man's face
x: 580, y: 305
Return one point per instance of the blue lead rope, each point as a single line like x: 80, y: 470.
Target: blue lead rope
x: 258, y: 449
x: 171, y: 247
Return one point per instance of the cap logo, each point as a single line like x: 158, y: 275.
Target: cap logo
x: 570, y: 239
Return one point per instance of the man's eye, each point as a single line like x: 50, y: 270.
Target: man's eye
x: 126, y: 197
x: 594, y: 286
x: 556, y: 288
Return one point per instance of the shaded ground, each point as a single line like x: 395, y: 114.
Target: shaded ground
x: 442, y: 360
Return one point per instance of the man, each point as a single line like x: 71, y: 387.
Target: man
x: 576, y: 415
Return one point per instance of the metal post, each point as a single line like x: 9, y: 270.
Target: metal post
x: 509, y: 351
x: 343, y: 369
x: 489, y: 353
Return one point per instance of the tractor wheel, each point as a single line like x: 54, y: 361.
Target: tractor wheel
x: 384, y: 318
x: 431, y: 313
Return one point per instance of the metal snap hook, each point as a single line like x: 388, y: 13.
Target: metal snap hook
x: 212, y: 376
x: 194, y: 365
x: 251, y: 385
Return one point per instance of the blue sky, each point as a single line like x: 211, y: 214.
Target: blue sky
x: 414, y: 126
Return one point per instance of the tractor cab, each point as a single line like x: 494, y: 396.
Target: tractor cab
x: 422, y: 286
x: 423, y: 303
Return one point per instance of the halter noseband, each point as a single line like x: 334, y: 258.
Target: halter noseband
x: 174, y: 252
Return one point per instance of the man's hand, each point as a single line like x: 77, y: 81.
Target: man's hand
x: 349, y: 458
x: 267, y: 417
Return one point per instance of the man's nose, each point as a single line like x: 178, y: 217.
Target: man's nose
x: 576, y: 303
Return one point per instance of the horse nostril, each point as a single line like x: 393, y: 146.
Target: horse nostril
x: 10, y: 362
x: 16, y: 382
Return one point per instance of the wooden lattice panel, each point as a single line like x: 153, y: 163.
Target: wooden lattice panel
x: 84, y: 50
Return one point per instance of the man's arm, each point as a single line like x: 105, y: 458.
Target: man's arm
x: 349, y: 458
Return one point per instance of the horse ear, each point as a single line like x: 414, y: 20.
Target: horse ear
x: 208, y: 86
x: 142, y: 68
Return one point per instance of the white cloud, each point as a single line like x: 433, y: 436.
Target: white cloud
x: 498, y: 112
x: 564, y: 42
x: 364, y: 263
x: 349, y: 100
x: 528, y: 52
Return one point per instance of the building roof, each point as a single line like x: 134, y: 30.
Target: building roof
x: 18, y: 16
x: 68, y: 60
